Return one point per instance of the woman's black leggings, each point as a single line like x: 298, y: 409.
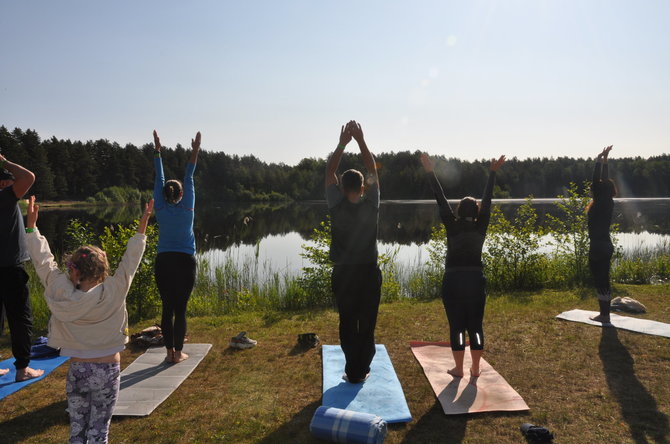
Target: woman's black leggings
x: 600, y: 257
x: 464, y: 297
x: 175, y: 277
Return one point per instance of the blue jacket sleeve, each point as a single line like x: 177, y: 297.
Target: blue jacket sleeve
x: 189, y: 187
x: 159, y: 181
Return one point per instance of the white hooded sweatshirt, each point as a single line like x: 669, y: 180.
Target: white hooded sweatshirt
x: 86, y: 320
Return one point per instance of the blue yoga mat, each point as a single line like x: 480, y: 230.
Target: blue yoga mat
x: 380, y: 395
x: 7, y: 384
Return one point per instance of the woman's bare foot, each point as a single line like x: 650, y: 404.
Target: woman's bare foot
x: 601, y: 318
x: 455, y: 372
x: 475, y: 373
x: 170, y: 355
x: 27, y: 373
x: 4, y: 371
x: 179, y: 356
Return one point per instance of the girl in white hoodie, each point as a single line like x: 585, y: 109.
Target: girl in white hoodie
x: 89, y: 322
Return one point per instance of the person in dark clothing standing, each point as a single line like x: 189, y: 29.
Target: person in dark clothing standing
x: 463, y: 285
x: 15, y: 181
x: 175, y: 266
x: 599, y: 214
x: 353, y: 204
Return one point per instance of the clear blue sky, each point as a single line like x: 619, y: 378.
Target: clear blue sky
x: 470, y: 79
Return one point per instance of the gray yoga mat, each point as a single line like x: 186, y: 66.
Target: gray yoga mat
x: 149, y: 380
x: 623, y: 322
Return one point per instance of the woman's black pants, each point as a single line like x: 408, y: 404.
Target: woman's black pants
x: 175, y: 277
x: 464, y: 298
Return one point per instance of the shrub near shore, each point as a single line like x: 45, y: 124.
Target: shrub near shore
x: 520, y: 256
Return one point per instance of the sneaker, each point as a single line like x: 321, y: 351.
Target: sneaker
x: 241, y: 341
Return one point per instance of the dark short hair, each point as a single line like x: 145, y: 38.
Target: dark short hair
x: 467, y: 207
x: 603, y: 189
x: 352, y: 180
x: 172, y: 191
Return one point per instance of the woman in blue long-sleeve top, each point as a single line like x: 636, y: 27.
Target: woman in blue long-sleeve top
x: 175, y: 263
x: 463, y: 285
x: 599, y: 215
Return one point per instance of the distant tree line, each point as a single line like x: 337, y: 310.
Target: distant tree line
x: 75, y: 170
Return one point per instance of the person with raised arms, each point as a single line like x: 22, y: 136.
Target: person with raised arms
x: 463, y: 284
x: 175, y: 262
x: 353, y: 204
x: 89, y: 322
x: 15, y: 181
x: 599, y: 218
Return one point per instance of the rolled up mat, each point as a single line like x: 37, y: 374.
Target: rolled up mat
x: 345, y: 426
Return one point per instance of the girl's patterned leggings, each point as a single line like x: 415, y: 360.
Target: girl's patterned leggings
x: 92, y: 389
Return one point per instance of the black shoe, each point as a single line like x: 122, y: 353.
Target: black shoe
x: 308, y: 340
x: 536, y: 434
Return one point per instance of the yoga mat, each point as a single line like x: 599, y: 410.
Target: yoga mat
x: 345, y: 426
x: 623, y: 322
x: 380, y: 395
x: 149, y: 380
x: 7, y: 384
x: 487, y: 393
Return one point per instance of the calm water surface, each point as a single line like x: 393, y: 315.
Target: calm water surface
x: 272, y: 234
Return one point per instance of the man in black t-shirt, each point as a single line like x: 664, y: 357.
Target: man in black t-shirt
x: 15, y: 181
x: 356, y: 279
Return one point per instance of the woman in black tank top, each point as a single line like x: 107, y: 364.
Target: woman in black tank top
x: 463, y: 285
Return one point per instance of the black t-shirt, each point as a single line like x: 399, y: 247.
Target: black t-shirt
x: 12, y: 231
x: 354, y: 227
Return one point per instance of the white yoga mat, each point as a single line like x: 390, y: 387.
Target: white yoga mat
x: 623, y: 322
x: 149, y: 380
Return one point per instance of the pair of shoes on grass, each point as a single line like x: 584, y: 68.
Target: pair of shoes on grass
x: 241, y: 341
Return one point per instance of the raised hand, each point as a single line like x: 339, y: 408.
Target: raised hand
x: 33, y: 212
x: 606, y: 151
x: 427, y: 163
x: 144, y: 220
x: 345, y: 135
x: 496, y: 164
x: 195, y: 143
x: 157, y: 142
x: 356, y: 131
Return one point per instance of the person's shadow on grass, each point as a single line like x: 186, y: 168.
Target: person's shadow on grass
x: 296, y: 429
x: 638, y: 408
x: 33, y: 422
x: 434, y: 426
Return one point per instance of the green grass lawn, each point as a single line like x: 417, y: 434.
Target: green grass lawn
x: 586, y: 384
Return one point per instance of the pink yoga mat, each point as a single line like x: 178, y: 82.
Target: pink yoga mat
x: 487, y: 393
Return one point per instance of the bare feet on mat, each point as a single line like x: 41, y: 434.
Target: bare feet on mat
x: 455, y: 372
x: 4, y: 371
x: 179, y: 356
x: 600, y: 318
x: 27, y: 373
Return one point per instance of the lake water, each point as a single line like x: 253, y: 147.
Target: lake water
x: 273, y: 233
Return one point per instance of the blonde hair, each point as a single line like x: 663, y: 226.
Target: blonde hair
x: 91, y: 262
